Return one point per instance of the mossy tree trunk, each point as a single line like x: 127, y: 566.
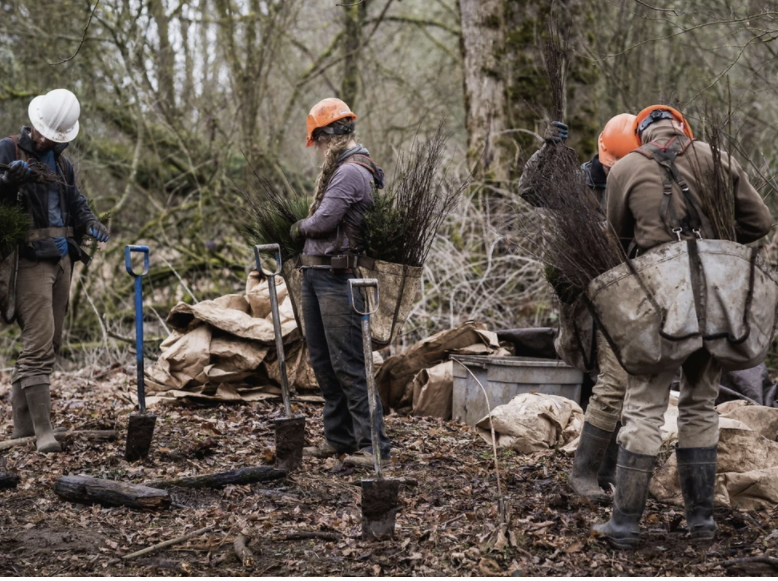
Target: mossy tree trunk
x: 354, y: 16
x: 481, y: 44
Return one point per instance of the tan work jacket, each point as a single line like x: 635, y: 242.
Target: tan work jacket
x: 634, y: 193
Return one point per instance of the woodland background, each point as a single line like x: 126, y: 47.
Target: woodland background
x: 181, y: 99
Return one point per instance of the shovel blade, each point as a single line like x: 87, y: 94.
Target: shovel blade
x: 140, y: 431
x: 380, y: 505
x: 290, y: 440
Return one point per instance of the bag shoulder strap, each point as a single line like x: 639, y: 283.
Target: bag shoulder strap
x: 665, y: 155
x: 363, y: 160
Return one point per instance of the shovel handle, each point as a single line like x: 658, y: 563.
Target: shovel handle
x: 275, y: 250
x: 363, y: 283
x: 128, y: 250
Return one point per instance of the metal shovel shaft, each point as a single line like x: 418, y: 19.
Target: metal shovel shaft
x: 139, y: 344
x: 372, y: 395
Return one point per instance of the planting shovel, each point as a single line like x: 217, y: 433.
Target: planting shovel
x: 380, y: 498
x: 141, y: 426
x: 290, y: 431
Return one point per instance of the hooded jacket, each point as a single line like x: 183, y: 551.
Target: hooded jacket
x: 35, y: 200
x: 336, y: 226
x: 634, y: 193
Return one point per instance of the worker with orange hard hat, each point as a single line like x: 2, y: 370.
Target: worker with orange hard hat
x: 334, y: 240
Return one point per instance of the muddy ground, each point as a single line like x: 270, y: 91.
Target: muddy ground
x: 449, y: 523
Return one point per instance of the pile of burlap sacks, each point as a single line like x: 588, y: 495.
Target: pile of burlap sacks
x: 224, y: 349
x: 747, y: 473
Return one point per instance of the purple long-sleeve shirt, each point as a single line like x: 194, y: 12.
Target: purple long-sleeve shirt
x: 341, y: 213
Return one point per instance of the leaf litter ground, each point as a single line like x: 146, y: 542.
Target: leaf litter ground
x: 449, y: 523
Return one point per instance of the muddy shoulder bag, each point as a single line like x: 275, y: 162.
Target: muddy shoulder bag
x: 658, y: 309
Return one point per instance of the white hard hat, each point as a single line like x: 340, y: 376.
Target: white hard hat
x: 55, y: 115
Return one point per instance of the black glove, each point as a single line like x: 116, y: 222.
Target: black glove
x: 16, y: 174
x: 98, y: 231
x: 557, y: 131
x: 295, y: 232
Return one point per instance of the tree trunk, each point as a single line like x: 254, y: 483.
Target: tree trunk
x: 353, y: 23
x: 165, y: 58
x: 481, y: 45
x: 110, y: 493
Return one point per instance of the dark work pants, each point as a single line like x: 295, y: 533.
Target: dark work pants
x: 334, y: 337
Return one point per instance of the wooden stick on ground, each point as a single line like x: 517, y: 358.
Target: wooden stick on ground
x: 110, y: 492
x: 163, y: 545
x: 243, y: 552
x: 309, y: 535
x: 107, y: 435
x: 239, y: 476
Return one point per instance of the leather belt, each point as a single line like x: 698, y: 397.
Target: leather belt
x: 344, y: 262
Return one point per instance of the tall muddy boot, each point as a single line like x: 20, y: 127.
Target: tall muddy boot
x: 39, y: 402
x: 587, y: 462
x: 697, y: 473
x: 606, y: 477
x: 22, y: 422
x: 633, y: 473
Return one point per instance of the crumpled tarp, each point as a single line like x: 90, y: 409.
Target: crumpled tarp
x: 224, y: 349
x: 747, y: 472
x: 532, y: 422
x: 396, y: 377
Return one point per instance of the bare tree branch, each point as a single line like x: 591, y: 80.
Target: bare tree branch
x: 83, y: 38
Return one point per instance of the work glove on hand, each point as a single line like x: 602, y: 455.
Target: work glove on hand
x: 295, y: 233
x: 556, y: 132
x: 98, y: 231
x: 17, y: 173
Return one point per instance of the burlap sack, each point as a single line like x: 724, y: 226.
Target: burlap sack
x: 433, y: 391
x: 398, y: 286
x: 680, y: 297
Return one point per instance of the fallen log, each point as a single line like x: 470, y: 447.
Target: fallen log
x: 8, y: 480
x: 106, y: 435
x: 238, y: 476
x: 243, y: 552
x: 90, y: 490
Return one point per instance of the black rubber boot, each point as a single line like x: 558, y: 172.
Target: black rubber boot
x: 39, y: 403
x: 22, y: 422
x: 633, y: 473
x: 697, y: 473
x: 606, y: 477
x: 588, y: 458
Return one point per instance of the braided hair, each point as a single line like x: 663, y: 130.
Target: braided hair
x: 336, y: 144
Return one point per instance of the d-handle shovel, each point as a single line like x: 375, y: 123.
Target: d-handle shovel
x: 290, y: 431
x: 141, y: 427
x: 380, y: 497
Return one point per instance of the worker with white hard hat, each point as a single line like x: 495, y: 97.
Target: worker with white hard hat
x: 59, y: 217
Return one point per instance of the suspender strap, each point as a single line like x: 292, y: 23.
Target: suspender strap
x: 693, y: 223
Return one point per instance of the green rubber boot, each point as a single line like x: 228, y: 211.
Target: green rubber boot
x: 588, y: 459
x: 697, y: 473
x: 23, y: 427
x: 633, y: 474
x: 39, y: 403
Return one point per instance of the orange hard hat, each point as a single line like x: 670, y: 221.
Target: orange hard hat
x: 643, y: 116
x: 325, y: 112
x: 617, y: 139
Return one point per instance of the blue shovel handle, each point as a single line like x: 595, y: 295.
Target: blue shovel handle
x: 128, y: 250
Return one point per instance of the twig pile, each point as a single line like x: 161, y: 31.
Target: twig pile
x: 403, y: 222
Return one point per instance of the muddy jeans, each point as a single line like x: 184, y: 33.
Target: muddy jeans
x: 42, y: 293
x: 605, y: 405
x: 647, y: 399
x: 334, y: 336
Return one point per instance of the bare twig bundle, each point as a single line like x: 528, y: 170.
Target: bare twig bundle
x: 571, y: 237
x: 39, y: 173
x: 556, y: 55
x: 716, y: 186
x: 403, y: 222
